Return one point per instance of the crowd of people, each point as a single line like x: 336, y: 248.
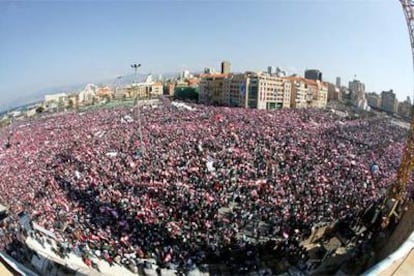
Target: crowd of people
x: 208, y: 185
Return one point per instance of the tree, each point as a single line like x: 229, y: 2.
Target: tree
x: 186, y: 93
x: 40, y: 109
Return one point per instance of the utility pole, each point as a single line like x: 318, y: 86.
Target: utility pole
x: 135, y: 67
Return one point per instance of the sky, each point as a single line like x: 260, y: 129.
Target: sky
x: 49, y: 44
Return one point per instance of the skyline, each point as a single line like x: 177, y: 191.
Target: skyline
x: 49, y: 44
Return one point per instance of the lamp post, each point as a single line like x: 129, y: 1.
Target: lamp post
x: 135, y: 67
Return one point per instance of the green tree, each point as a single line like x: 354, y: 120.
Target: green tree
x: 40, y: 109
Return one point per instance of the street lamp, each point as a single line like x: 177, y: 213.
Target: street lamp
x: 135, y: 67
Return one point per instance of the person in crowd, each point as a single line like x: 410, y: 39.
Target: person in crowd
x: 210, y: 184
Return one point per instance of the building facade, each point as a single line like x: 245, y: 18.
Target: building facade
x: 404, y: 108
x: 146, y: 90
x: 300, y: 95
x: 333, y: 92
x: 308, y: 93
x: 225, y: 67
x: 357, y: 90
x: 88, y: 94
x: 374, y: 100
x: 318, y: 95
x: 338, y: 82
x: 236, y: 89
x: 55, y: 102
x: 356, y: 87
x: 250, y: 90
x: 313, y: 74
x: 389, y: 101
x: 273, y: 92
x: 211, y: 89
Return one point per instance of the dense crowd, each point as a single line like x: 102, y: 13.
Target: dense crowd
x: 208, y: 185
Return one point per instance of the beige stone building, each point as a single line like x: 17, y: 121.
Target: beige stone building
x: 146, y: 90
x: 319, y: 93
x: 308, y: 93
x: 211, y: 89
x: 273, y: 92
x: 157, y: 89
x: 252, y: 90
x: 300, y: 96
x: 235, y: 90
x: 55, y: 102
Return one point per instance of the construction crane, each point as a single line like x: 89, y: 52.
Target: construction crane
x: 398, y: 189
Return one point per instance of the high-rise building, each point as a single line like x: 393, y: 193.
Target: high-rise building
x: 225, y: 67
x: 317, y: 94
x: 338, y: 82
x: 389, y: 101
x: 356, y: 86
x: 271, y: 70
x: 313, y: 74
x: 357, y: 90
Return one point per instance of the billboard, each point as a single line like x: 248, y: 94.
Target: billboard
x: 242, y: 89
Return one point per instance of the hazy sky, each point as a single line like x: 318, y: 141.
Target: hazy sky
x: 46, y: 44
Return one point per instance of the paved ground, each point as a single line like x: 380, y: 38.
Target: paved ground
x: 4, y: 271
x: 401, y: 267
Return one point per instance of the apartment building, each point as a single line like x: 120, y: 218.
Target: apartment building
x: 211, y: 89
x: 250, y: 90
x: 389, y: 101
x: 308, y: 93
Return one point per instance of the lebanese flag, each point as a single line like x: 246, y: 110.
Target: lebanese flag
x: 260, y: 181
x: 125, y: 240
x: 207, y: 224
x: 167, y: 258
x: 217, y: 186
x: 102, y: 236
x: 88, y: 262
x: 94, y: 237
x: 36, y: 213
x: 208, y: 197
